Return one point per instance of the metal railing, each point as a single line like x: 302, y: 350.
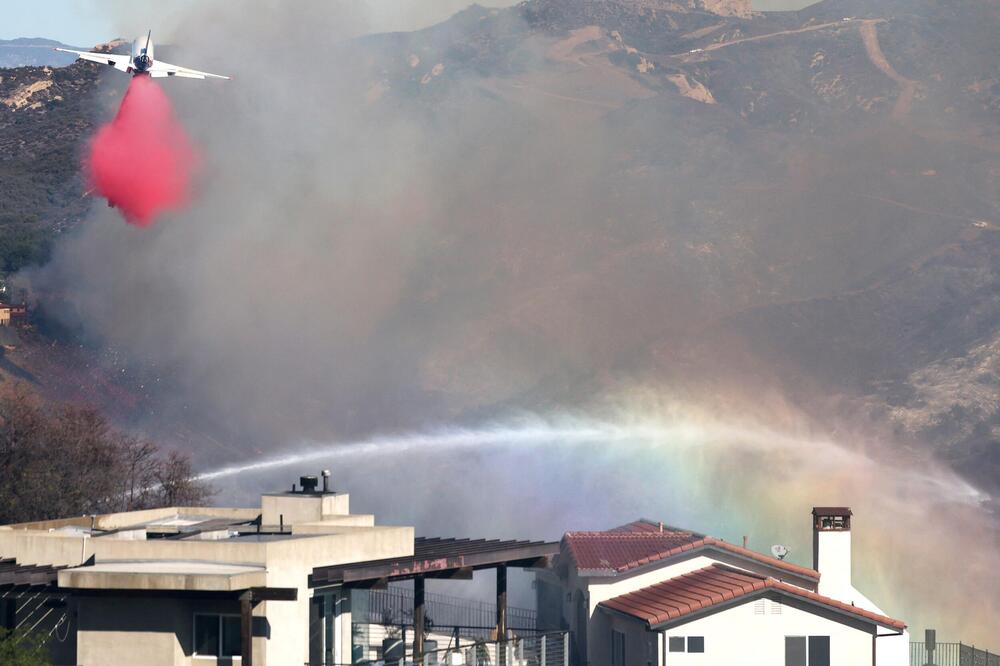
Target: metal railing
x: 549, y: 649
x: 951, y: 654
x: 395, y: 606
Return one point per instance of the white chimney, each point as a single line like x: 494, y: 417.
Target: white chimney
x: 832, y: 550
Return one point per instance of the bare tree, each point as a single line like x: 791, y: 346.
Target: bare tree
x: 140, y: 466
x: 68, y: 461
x: 176, y: 483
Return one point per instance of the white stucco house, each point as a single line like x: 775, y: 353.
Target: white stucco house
x: 645, y: 594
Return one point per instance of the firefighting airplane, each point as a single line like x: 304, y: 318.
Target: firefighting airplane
x: 141, y: 62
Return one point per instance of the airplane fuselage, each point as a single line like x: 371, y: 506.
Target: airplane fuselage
x: 142, y: 55
x: 140, y: 61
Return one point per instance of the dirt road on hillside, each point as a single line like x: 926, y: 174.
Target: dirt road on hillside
x: 771, y: 35
x: 907, y: 87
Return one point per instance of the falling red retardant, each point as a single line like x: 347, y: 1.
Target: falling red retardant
x: 142, y: 161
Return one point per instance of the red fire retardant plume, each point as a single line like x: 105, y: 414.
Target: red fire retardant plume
x: 142, y: 161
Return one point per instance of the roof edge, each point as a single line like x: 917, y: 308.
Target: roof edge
x: 769, y: 585
x: 705, y: 543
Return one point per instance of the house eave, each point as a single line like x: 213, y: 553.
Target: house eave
x: 800, y: 579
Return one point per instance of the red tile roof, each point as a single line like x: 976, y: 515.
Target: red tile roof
x: 642, y: 542
x: 646, y: 525
x: 700, y: 590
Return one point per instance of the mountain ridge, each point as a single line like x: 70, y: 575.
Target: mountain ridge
x: 798, y: 201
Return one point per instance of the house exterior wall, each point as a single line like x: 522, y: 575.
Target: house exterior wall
x: 289, y: 564
x: 741, y: 635
x: 642, y: 647
x: 832, y: 552
x: 593, y: 590
x: 145, y: 625
x: 151, y: 632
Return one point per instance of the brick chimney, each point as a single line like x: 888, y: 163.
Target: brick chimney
x: 832, y: 550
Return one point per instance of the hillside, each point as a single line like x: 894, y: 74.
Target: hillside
x: 828, y: 187
x: 45, y: 116
x: 591, y: 193
x: 34, y: 52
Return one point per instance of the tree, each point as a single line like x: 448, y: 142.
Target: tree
x: 68, y: 461
x: 176, y: 484
x: 19, y: 648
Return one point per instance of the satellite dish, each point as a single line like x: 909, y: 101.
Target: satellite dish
x: 779, y: 551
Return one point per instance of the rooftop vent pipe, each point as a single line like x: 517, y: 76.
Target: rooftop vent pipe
x: 326, y: 480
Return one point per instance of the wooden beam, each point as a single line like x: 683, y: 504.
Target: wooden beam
x: 259, y: 594
x: 502, y: 614
x: 373, y: 584
x: 246, y: 629
x: 438, y: 555
x: 418, y: 620
x: 465, y: 573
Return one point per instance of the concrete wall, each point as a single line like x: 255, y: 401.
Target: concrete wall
x: 111, y: 521
x: 150, y: 632
x: 289, y: 564
x: 333, y: 524
x: 742, y: 635
x: 302, y: 508
x: 55, y: 548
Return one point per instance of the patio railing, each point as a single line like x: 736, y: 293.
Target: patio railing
x: 549, y: 649
x: 951, y: 654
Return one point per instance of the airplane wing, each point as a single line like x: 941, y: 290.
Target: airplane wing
x: 161, y: 69
x: 119, y: 62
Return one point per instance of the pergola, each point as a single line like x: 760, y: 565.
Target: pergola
x: 441, y: 558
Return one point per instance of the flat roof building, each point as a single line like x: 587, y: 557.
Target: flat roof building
x: 198, y: 585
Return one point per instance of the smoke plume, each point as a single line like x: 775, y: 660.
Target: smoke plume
x: 395, y: 232
x: 142, y: 160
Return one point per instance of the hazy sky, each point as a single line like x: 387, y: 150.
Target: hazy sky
x: 89, y: 22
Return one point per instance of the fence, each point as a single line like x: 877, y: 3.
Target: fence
x: 951, y: 654
x: 550, y: 649
x: 384, y: 618
x: 394, y: 606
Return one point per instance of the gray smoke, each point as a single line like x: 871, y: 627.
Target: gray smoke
x: 368, y: 252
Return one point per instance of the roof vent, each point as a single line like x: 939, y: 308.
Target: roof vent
x: 308, y: 483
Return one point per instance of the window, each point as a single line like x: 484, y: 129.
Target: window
x: 795, y: 651
x: 693, y: 644
x: 217, y: 635
x: 231, y: 636
x: 617, y: 648
x: 819, y: 651
x: 803, y: 651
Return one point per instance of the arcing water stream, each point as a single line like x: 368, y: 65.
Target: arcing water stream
x: 727, y: 479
